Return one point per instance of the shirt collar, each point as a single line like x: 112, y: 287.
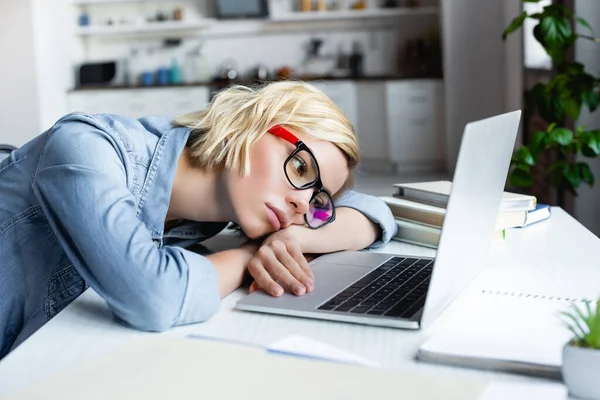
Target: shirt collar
x: 156, y: 192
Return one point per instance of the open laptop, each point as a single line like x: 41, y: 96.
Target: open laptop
x: 404, y: 291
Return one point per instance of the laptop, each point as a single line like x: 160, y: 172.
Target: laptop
x: 405, y: 291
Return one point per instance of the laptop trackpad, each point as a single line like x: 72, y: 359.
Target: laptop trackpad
x: 329, y: 280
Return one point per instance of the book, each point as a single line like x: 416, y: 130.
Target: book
x: 434, y: 216
x: 541, y: 212
x: 503, y: 331
x: 436, y: 193
x: 427, y: 236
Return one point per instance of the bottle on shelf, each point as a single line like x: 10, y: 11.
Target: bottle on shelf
x: 175, y: 72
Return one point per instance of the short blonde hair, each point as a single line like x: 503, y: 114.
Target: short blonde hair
x: 222, y: 134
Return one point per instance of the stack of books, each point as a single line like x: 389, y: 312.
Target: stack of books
x: 419, y: 210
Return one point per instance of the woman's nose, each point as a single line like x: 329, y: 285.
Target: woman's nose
x: 299, y: 200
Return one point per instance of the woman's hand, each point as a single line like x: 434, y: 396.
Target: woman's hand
x: 279, y: 265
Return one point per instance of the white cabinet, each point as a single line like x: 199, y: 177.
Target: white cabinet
x: 343, y: 94
x: 137, y: 103
x: 372, y: 125
x: 415, y: 128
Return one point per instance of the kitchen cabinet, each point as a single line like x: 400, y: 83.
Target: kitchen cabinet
x: 415, y: 124
x: 137, y: 103
x: 343, y: 94
x: 371, y: 126
x: 399, y: 123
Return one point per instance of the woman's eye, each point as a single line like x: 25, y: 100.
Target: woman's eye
x: 299, y: 165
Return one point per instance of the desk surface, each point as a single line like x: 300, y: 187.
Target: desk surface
x: 559, y: 249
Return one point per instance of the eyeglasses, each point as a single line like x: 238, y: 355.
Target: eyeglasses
x: 302, y: 171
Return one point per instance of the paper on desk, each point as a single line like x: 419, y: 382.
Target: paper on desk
x: 302, y: 346
x: 524, y: 391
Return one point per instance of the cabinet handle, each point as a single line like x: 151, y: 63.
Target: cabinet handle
x: 418, y: 99
x: 419, y: 121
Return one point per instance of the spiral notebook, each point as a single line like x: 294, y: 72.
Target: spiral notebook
x: 505, y: 331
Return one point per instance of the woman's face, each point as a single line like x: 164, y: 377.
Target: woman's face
x: 265, y: 201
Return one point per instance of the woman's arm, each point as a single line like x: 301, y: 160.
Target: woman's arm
x: 231, y: 267
x: 361, y: 221
x: 351, y: 230
x: 81, y: 186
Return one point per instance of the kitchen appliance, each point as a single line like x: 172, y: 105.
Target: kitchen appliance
x: 103, y: 73
x: 242, y: 9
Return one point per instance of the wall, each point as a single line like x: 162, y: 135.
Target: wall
x: 52, y: 64
x: 19, y: 107
x: 476, y: 71
x: 586, y: 205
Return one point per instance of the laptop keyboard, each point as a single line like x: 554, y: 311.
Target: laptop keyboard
x: 396, y: 288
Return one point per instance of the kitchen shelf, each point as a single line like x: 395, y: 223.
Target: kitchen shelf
x: 300, y: 16
x: 150, y: 27
x: 87, y: 2
x: 217, y: 28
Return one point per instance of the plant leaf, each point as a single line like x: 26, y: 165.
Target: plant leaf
x: 555, y: 30
x: 586, y: 173
x: 514, y: 25
x: 536, y: 143
x: 519, y: 177
x: 562, y: 136
x: 551, y: 127
x: 579, y: 331
x: 525, y: 156
x: 595, y: 331
x: 591, y: 143
x: 571, y: 173
x: 572, y: 108
x: 590, y: 98
x: 583, y: 22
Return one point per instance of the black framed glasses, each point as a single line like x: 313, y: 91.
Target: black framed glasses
x: 302, y: 171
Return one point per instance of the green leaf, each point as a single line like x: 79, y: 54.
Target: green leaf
x: 572, y: 108
x: 555, y: 30
x: 562, y: 136
x: 586, y: 173
x: 525, y: 156
x: 571, y: 174
x: 514, y: 25
x: 591, y: 143
x: 551, y: 127
x: 590, y: 98
x: 583, y: 22
x: 536, y: 143
x: 519, y: 177
x: 577, y: 329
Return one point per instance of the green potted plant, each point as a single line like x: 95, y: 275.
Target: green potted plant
x: 581, y: 355
x: 558, y: 103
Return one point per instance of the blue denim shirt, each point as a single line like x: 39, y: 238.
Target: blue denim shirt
x: 85, y: 204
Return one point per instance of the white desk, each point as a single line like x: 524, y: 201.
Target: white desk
x: 86, y: 327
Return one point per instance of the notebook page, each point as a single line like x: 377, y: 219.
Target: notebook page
x: 503, y: 328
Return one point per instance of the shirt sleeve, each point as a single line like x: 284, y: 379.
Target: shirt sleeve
x: 81, y: 185
x: 374, y: 209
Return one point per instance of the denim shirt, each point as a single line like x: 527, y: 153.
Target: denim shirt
x: 84, y: 204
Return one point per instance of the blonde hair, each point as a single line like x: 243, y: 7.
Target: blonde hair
x: 222, y: 134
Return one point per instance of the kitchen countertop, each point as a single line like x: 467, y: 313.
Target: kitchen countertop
x: 216, y: 84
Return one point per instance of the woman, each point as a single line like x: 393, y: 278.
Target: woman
x: 111, y: 202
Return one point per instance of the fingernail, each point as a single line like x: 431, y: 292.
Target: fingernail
x: 299, y: 290
x: 278, y: 291
x: 309, y: 286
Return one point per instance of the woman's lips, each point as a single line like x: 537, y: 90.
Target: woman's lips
x: 273, y: 219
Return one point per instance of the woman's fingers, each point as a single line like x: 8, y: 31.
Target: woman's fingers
x: 263, y: 279
x: 293, y: 260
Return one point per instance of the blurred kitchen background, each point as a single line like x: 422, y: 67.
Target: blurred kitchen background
x: 408, y: 73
